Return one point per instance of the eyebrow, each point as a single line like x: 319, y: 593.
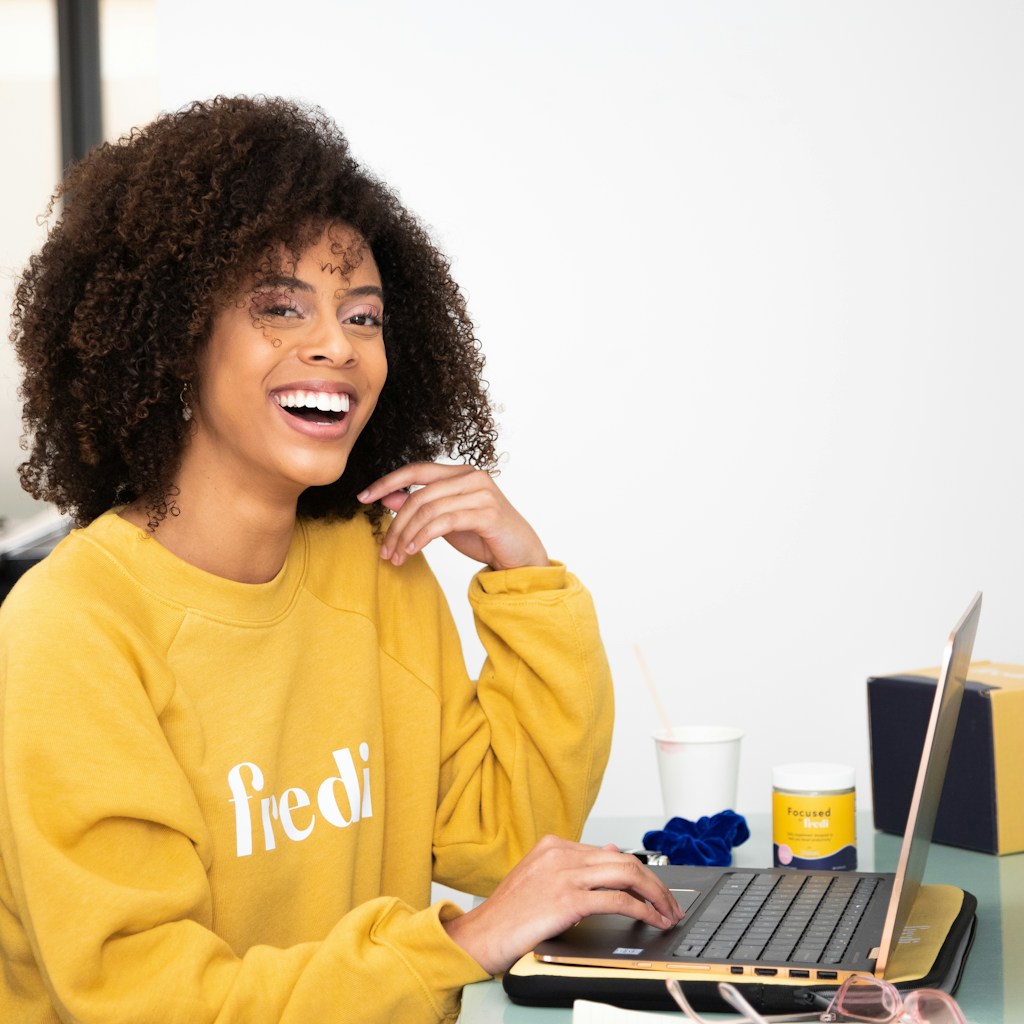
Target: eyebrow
x: 367, y: 289
x: 296, y: 284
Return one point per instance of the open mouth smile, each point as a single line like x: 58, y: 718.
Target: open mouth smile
x: 314, y: 406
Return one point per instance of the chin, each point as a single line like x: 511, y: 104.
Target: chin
x: 306, y: 469
x: 322, y: 478
x: 310, y: 482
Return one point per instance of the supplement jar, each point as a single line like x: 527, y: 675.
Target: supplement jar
x: 814, y: 823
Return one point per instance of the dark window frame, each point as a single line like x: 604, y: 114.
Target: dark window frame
x: 78, y: 60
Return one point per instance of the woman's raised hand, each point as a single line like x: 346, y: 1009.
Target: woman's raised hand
x: 554, y: 886
x: 459, y: 503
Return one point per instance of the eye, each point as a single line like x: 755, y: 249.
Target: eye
x: 364, y: 316
x: 275, y: 304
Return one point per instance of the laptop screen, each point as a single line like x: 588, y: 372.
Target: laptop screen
x: 931, y: 775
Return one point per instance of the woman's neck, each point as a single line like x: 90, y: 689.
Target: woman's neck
x: 244, y: 540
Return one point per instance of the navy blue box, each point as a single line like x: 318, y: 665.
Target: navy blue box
x: 982, y: 804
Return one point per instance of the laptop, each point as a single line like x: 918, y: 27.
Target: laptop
x: 780, y: 924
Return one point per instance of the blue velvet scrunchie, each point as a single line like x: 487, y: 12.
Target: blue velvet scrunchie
x: 705, y: 841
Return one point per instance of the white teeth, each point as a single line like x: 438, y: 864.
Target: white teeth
x: 325, y: 401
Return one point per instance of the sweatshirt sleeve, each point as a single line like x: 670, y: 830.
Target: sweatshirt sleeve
x: 104, y: 871
x: 524, y: 751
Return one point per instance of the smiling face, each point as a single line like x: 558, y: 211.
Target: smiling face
x: 290, y: 376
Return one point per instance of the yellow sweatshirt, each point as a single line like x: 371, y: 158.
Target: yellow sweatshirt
x: 226, y: 802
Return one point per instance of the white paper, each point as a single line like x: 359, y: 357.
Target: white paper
x: 586, y: 1012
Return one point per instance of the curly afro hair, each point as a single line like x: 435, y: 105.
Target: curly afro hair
x: 157, y: 230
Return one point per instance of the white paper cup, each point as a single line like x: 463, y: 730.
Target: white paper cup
x: 699, y: 767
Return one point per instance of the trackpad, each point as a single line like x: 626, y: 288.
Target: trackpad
x: 685, y: 897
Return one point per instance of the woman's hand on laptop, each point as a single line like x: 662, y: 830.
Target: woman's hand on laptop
x: 557, y: 884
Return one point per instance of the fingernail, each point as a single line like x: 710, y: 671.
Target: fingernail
x: 361, y: 496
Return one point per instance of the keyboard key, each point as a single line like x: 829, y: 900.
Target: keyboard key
x: 718, y: 909
x: 808, y: 953
x: 747, y: 950
x: 717, y: 951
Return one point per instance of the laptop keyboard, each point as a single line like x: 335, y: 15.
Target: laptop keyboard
x: 803, y: 918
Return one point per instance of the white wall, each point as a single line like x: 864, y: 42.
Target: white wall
x: 748, y: 276
x: 30, y: 134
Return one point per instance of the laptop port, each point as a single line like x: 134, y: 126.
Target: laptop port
x: 735, y: 970
x: 828, y: 975
x: 799, y: 974
x: 766, y: 972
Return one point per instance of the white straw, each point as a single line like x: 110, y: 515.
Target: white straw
x: 666, y: 725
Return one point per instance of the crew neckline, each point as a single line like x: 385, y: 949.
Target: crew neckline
x: 172, y: 579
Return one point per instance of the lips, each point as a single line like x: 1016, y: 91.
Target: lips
x: 317, y: 409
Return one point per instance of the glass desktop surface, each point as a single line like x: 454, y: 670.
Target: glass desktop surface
x: 992, y: 988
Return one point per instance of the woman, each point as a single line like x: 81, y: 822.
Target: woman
x: 238, y: 738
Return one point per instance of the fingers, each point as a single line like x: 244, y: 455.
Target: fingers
x: 446, y: 508
x: 626, y: 903
x: 459, y: 503
x: 674, y: 909
x: 447, y: 499
x: 395, y: 500
x: 556, y: 885
x: 603, y: 880
x: 436, y: 511
x: 635, y: 891
x: 415, y: 474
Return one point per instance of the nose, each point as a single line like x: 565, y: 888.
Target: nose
x: 329, y: 345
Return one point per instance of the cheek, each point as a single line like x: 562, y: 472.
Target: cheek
x: 379, y: 370
x: 239, y: 371
x: 376, y: 378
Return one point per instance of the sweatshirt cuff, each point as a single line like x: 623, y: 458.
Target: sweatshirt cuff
x: 441, y: 966
x: 528, y: 579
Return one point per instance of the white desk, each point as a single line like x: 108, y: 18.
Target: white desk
x: 992, y: 989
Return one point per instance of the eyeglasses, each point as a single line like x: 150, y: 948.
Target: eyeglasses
x: 860, y: 998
